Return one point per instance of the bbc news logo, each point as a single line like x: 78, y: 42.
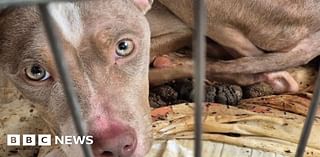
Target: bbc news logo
x: 46, y: 140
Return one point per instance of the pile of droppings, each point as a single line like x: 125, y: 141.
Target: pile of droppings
x: 181, y: 91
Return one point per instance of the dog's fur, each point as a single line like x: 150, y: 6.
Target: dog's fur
x: 113, y: 90
x: 265, y: 36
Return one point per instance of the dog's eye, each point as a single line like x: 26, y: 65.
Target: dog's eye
x: 37, y: 73
x: 124, y: 47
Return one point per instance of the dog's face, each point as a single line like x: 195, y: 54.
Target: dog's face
x: 106, y: 45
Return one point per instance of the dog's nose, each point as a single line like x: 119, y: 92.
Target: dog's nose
x: 121, y: 146
x: 114, y: 140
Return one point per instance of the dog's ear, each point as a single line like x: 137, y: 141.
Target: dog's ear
x: 143, y: 5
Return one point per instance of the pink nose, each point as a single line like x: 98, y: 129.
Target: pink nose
x: 113, y: 140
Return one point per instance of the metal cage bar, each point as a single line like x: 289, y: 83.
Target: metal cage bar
x: 62, y: 67
x: 199, y: 57
x: 305, y: 134
x: 199, y: 45
x: 57, y: 51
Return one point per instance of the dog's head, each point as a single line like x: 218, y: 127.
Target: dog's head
x: 106, y: 45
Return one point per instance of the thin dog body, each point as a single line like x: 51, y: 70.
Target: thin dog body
x: 262, y: 37
x: 106, y: 45
x: 107, y: 52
